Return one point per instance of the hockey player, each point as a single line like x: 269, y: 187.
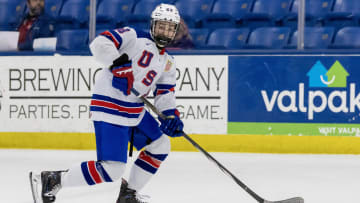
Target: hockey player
x: 136, y: 60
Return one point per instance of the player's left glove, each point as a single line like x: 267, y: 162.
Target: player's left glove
x: 172, y: 125
x: 123, y: 75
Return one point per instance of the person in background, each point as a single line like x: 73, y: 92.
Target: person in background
x: 183, y: 39
x: 35, y: 24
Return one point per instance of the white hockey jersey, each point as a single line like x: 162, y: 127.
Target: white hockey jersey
x: 153, y: 71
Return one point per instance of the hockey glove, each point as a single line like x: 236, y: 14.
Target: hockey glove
x: 123, y: 75
x: 172, y: 125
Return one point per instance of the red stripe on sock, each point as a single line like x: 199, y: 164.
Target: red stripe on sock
x: 94, y: 173
x: 154, y: 162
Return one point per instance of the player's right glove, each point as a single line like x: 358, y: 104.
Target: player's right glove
x: 123, y: 75
x: 172, y: 125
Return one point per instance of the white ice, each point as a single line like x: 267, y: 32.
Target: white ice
x: 188, y: 177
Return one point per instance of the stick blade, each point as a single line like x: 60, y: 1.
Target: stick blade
x: 291, y: 200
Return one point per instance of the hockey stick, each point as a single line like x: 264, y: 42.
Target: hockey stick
x: 211, y: 158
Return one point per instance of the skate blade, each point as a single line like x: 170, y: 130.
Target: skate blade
x: 35, y: 181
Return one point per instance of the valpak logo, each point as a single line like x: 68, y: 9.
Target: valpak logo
x: 317, y: 100
x: 334, y: 77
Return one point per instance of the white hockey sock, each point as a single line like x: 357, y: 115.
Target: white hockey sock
x: 73, y: 177
x: 138, y: 177
x: 148, y: 162
x: 93, y: 172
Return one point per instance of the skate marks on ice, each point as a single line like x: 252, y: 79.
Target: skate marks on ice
x: 189, y: 177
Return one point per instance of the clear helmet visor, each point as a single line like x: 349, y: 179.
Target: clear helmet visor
x: 163, y: 32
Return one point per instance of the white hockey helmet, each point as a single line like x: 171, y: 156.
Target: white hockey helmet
x: 165, y: 20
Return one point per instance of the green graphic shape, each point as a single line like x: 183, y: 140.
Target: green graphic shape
x: 338, y: 72
x: 295, y: 129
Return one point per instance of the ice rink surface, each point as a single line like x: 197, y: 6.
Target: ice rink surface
x: 188, y: 177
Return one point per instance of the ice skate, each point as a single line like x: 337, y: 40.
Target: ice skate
x: 128, y: 195
x: 45, y: 186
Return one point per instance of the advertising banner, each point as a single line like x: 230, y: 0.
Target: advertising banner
x: 294, y: 95
x: 46, y: 93
x: 52, y: 93
x: 201, y: 91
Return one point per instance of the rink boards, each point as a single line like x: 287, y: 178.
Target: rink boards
x: 242, y: 103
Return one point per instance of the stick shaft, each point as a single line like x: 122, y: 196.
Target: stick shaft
x: 225, y: 170
x: 211, y: 158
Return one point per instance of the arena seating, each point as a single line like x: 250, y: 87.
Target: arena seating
x: 227, y: 13
x: 193, y: 11
x: 199, y: 36
x: 315, y: 38
x: 52, y: 7
x: 140, y: 17
x: 230, y: 38
x: 268, y: 38
x: 315, y: 12
x: 344, y: 13
x: 213, y: 24
x: 10, y: 13
x: 72, y: 40
x: 74, y: 14
x: 347, y: 38
x: 112, y: 13
x: 267, y: 13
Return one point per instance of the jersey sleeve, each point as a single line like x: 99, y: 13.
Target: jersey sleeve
x: 165, y: 88
x: 108, y: 45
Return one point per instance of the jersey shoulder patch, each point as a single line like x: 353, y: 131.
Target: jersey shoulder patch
x: 169, y: 64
